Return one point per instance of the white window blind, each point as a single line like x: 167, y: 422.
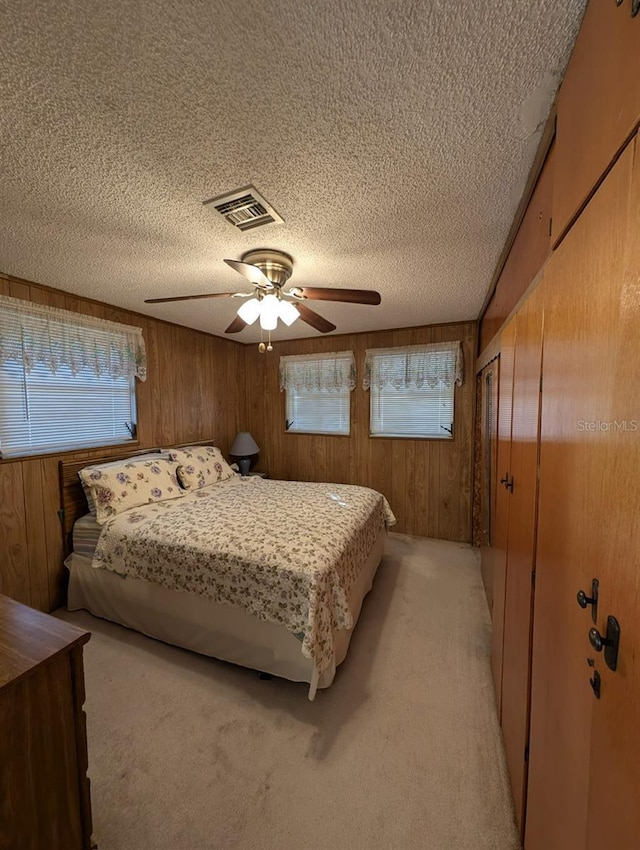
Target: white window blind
x: 66, y: 380
x: 318, y: 389
x: 413, y: 390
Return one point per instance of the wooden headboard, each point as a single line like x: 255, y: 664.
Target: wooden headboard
x: 72, y: 498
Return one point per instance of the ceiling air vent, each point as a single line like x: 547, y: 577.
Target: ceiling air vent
x: 245, y: 208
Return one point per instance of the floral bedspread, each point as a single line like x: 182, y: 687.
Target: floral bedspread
x: 288, y: 552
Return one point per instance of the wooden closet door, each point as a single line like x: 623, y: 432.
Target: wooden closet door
x: 518, y: 609
x: 614, y: 788
x: 489, y: 438
x: 501, y: 528
x: 598, y: 105
x: 583, y: 292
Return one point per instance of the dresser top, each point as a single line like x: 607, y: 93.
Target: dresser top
x: 28, y: 638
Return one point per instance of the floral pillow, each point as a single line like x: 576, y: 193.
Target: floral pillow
x: 199, y: 466
x: 141, y: 458
x: 115, y: 489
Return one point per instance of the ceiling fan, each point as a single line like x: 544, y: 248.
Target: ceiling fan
x: 269, y: 271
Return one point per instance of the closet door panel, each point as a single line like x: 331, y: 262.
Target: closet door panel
x: 583, y: 289
x: 501, y: 527
x: 489, y: 437
x: 516, y: 656
x: 614, y: 791
x: 598, y: 105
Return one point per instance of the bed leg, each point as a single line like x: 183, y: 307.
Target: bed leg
x: 313, y: 687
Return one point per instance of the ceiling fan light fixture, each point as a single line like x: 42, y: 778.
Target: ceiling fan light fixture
x: 269, y: 271
x: 288, y: 312
x: 269, y: 310
x: 249, y: 311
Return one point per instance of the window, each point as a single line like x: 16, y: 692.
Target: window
x: 318, y: 388
x: 412, y: 390
x: 66, y: 380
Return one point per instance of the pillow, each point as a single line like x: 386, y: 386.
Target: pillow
x: 199, y: 466
x: 130, y: 484
x: 135, y: 459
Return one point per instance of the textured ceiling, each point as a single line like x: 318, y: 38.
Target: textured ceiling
x: 393, y: 137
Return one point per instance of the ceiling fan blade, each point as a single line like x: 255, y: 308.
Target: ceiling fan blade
x: 236, y: 326
x: 314, y: 319
x: 330, y: 293
x: 252, y: 273
x: 190, y: 297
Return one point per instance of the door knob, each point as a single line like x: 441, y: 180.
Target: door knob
x: 597, y: 641
x: 610, y: 642
x: 584, y: 600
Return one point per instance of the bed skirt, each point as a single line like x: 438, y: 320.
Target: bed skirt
x: 210, y: 628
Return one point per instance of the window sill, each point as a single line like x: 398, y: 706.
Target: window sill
x: 317, y: 433
x: 448, y: 439
x: 77, y: 450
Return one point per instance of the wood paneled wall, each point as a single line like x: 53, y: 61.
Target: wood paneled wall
x: 200, y: 386
x: 428, y: 482
x: 194, y: 390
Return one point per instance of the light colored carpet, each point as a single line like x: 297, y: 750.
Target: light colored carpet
x: 403, y: 751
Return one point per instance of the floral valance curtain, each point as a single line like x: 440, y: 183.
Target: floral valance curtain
x: 439, y: 364
x: 333, y: 371
x: 33, y: 334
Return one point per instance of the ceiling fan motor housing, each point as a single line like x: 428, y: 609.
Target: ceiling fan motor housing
x: 276, y: 265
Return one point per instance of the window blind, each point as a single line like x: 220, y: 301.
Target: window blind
x: 413, y: 390
x: 318, y: 411
x: 412, y: 412
x: 318, y: 388
x: 41, y: 411
x: 66, y: 380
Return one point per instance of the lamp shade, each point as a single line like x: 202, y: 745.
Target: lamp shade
x: 269, y: 308
x: 249, y: 311
x: 244, y: 445
x: 288, y: 312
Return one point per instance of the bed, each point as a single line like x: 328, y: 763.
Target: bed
x: 267, y: 574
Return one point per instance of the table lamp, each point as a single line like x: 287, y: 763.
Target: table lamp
x: 244, y: 448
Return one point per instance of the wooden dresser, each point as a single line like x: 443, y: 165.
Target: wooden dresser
x: 44, y: 789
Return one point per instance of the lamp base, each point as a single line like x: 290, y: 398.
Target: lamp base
x: 245, y: 465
